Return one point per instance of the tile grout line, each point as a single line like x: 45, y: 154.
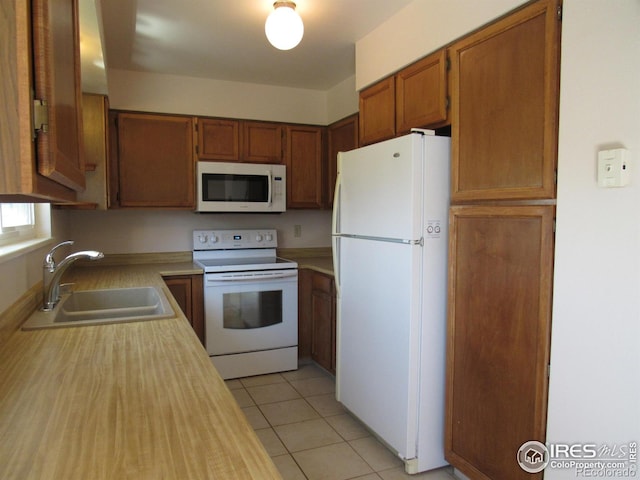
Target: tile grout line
x: 322, y: 417
x: 320, y: 374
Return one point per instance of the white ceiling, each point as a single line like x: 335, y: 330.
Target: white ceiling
x: 224, y: 39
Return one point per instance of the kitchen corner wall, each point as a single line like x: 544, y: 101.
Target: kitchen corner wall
x: 151, y: 92
x: 419, y: 29
x: 130, y: 231
x: 134, y: 231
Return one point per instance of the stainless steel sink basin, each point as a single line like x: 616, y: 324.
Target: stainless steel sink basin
x: 97, y: 307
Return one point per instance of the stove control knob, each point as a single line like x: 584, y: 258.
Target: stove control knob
x: 269, y: 237
x: 258, y: 238
x: 213, y: 239
x: 202, y: 238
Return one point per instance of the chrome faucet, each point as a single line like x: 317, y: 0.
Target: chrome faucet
x: 53, y: 272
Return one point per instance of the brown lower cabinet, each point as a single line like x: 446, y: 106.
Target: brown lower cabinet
x: 500, y: 285
x: 188, y: 292
x: 317, y: 318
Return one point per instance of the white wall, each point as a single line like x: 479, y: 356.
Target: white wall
x: 419, y: 29
x: 342, y: 100
x: 134, y: 231
x: 20, y: 273
x: 199, y: 96
x: 595, y: 384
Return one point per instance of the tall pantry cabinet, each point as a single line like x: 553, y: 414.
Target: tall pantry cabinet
x: 504, y: 91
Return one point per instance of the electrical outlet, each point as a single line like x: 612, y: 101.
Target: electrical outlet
x: 297, y: 231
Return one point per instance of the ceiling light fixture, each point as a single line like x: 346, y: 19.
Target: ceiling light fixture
x: 284, y: 28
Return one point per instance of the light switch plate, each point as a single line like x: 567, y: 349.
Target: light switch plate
x: 613, y: 168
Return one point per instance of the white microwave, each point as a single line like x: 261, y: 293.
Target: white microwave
x: 241, y: 187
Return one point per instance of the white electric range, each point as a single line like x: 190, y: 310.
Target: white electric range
x: 251, y: 302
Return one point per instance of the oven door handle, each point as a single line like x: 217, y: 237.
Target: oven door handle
x: 238, y: 277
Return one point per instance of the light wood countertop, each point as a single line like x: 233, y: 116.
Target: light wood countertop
x: 128, y: 401
x: 318, y: 259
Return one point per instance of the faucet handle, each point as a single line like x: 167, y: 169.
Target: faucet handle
x: 49, y: 261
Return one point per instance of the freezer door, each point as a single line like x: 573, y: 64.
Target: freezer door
x: 380, y: 189
x: 378, y: 335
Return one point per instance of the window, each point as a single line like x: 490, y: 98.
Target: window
x: 17, y: 220
x: 23, y: 222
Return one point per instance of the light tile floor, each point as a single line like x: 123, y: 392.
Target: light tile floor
x: 309, y: 435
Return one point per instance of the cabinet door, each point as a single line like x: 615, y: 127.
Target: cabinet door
x: 505, y: 83
x: 95, y: 110
x: 323, y: 321
x: 155, y: 161
x: 305, y: 277
x: 421, y: 93
x: 304, y: 160
x: 187, y: 290
x: 500, y: 277
x: 342, y: 136
x: 20, y: 179
x: 377, y: 112
x: 261, y: 142
x: 218, y: 139
x: 56, y: 46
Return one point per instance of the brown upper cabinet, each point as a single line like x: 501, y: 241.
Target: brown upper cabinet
x: 41, y: 39
x: 377, y: 112
x: 154, y: 164
x: 305, y: 166
x: 342, y: 136
x: 218, y: 139
x: 415, y: 97
x: 505, y: 85
x: 229, y: 140
x: 421, y: 93
x: 262, y: 142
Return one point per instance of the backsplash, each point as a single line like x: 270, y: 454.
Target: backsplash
x: 138, y: 231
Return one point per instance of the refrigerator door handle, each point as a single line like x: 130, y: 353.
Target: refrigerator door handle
x: 335, y: 240
x: 335, y: 216
x: 404, y: 241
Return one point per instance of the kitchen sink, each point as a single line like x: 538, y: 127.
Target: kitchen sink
x: 98, y: 307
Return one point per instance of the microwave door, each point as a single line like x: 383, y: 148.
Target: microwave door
x: 224, y: 187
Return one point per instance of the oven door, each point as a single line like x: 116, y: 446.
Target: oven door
x: 251, y: 311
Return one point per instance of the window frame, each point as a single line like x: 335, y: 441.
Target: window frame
x: 15, y: 241
x: 15, y: 233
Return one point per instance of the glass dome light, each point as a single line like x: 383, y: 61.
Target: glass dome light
x: 284, y: 28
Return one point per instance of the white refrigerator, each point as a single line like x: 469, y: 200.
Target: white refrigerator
x: 389, y: 237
